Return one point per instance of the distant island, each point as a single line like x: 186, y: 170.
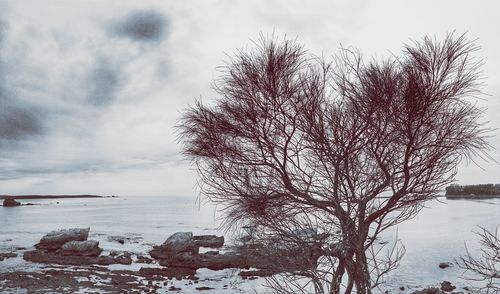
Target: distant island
x: 50, y: 196
x: 473, y: 191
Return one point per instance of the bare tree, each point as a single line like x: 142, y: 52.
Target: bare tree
x: 343, y: 149
x: 485, y: 268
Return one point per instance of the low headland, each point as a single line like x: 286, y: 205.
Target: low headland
x: 50, y: 196
x: 481, y: 191
x: 10, y: 200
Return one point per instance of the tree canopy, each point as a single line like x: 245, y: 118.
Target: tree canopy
x: 345, y: 147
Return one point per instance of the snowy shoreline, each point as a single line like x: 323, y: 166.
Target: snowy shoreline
x: 150, y: 220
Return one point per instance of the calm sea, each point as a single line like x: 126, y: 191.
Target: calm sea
x: 437, y: 234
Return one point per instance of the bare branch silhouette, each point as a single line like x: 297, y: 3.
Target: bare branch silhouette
x: 324, y: 156
x: 486, y: 267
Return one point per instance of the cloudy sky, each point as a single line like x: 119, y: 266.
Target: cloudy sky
x: 90, y: 90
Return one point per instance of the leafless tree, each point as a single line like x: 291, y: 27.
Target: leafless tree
x: 343, y: 149
x: 486, y: 267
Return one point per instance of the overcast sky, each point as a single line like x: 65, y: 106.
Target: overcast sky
x: 90, y: 90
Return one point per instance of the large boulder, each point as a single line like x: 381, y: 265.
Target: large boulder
x: 179, y: 242
x: 9, y: 202
x: 56, y: 239
x: 81, y: 248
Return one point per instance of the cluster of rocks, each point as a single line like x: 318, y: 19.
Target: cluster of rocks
x: 71, y: 247
x: 179, y: 253
x: 181, y: 250
x: 179, y: 258
x: 446, y: 287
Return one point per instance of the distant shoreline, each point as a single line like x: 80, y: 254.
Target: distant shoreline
x: 51, y: 196
x: 472, y: 196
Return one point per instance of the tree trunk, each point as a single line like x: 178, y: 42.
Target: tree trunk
x: 362, y: 273
x: 337, y: 278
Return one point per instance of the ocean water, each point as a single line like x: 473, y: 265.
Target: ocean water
x: 148, y: 220
x: 437, y: 234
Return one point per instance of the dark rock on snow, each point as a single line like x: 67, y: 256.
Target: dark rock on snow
x: 257, y: 273
x: 444, y: 265
x: 204, y: 288
x: 428, y: 291
x: 171, y: 272
x: 447, y: 286
x: 144, y: 259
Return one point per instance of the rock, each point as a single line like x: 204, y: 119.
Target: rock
x: 447, y: 286
x: 204, y: 288
x: 119, y: 239
x: 56, y: 239
x: 402, y: 288
x: 211, y: 241
x: 444, y: 265
x: 181, y: 250
x: 81, y: 248
x: 213, y: 262
x: 127, y: 238
x: 214, y: 252
x: 257, y: 273
x: 175, y: 244
x: 7, y: 255
x: 171, y: 272
x: 144, y: 259
x: 428, y: 291
x: 180, y: 242
x: 10, y: 202
x: 54, y: 257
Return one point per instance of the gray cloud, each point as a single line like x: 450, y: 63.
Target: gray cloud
x: 103, y: 83
x: 145, y: 26
x: 3, y: 27
x: 25, y: 167
x: 17, y: 120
